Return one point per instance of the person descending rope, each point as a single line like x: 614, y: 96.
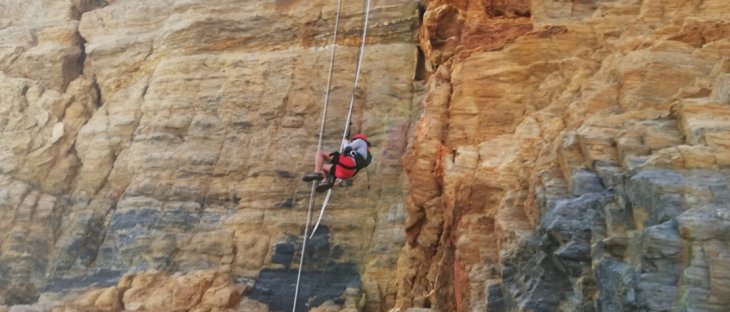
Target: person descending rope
x: 342, y: 166
x: 320, y: 171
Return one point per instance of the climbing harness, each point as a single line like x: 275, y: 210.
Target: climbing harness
x: 343, y: 166
x: 321, y: 132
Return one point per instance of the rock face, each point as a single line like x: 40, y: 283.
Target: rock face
x: 171, y: 136
x: 571, y: 156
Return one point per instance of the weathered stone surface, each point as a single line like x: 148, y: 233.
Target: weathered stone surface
x: 578, y: 149
x: 155, y: 291
x: 570, y: 156
x: 171, y: 135
x: 418, y: 310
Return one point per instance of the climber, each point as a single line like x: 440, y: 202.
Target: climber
x: 355, y: 156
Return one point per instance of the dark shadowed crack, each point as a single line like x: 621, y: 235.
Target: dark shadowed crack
x: 82, y: 6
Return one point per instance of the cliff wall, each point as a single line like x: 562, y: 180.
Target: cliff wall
x: 170, y: 137
x: 531, y: 156
x: 571, y: 156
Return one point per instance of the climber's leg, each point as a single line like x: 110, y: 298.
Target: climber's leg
x: 320, y: 168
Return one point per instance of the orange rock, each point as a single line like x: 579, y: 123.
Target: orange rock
x: 250, y: 305
x: 88, y: 299
x: 568, y: 92
x: 222, y: 293
x: 109, y: 300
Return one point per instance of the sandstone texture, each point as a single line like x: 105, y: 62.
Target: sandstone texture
x: 170, y: 137
x: 567, y: 155
x: 571, y: 156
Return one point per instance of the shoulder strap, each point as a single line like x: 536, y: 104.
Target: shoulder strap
x: 363, y: 162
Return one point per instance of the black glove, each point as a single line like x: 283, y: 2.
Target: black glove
x: 347, y: 151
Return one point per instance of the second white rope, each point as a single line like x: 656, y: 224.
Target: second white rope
x: 319, y: 147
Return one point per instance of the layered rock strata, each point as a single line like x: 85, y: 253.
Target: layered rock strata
x: 171, y: 136
x: 571, y: 156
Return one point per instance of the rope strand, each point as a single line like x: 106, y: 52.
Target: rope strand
x: 361, y: 55
x: 321, y: 132
x: 319, y: 147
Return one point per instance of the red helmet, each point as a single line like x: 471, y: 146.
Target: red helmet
x: 360, y: 136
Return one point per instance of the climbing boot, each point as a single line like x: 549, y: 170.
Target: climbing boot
x: 323, y: 186
x: 313, y: 176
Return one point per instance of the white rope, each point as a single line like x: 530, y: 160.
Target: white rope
x: 357, y: 72
x: 319, y: 147
x: 361, y: 54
